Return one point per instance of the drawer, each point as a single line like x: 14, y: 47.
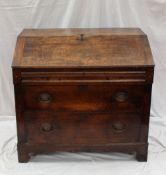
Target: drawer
x: 90, y: 76
x: 81, y: 128
x: 84, y: 98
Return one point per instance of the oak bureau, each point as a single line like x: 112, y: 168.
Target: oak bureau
x: 82, y: 90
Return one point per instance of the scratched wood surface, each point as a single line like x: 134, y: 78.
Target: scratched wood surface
x: 82, y: 48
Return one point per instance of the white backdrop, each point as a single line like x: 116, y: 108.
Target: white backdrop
x: 149, y: 15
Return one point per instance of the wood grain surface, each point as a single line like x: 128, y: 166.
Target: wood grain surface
x: 83, y: 48
x: 82, y: 90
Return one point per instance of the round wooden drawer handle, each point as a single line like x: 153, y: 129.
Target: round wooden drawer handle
x: 46, y: 127
x: 121, y: 96
x: 45, y: 98
x: 119, y: 126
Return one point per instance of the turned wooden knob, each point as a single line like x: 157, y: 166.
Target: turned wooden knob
x: 81, y: 37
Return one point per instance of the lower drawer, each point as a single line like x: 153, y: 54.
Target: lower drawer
x: 81, y: 128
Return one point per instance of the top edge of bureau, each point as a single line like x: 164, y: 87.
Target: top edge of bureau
x: 73, y: 31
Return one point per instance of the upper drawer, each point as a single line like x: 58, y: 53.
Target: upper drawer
x: 84, y: 98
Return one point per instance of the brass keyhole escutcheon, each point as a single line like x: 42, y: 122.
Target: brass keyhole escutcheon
x: 119, y: 126
x: 45, y: 98
x: 46, y: 127
x: 121, y: 96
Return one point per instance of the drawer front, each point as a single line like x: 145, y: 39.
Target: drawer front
x: 84, y: 98
x: 81, y: 128
x: 89, y: 76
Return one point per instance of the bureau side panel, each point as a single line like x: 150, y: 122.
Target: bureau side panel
x: 146, y: 114
x: 19, y: 106
x: 23, y: 154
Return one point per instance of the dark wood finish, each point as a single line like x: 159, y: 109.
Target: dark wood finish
x: 81, y: 129
x: 84, y: 98
x: 82, y: 90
